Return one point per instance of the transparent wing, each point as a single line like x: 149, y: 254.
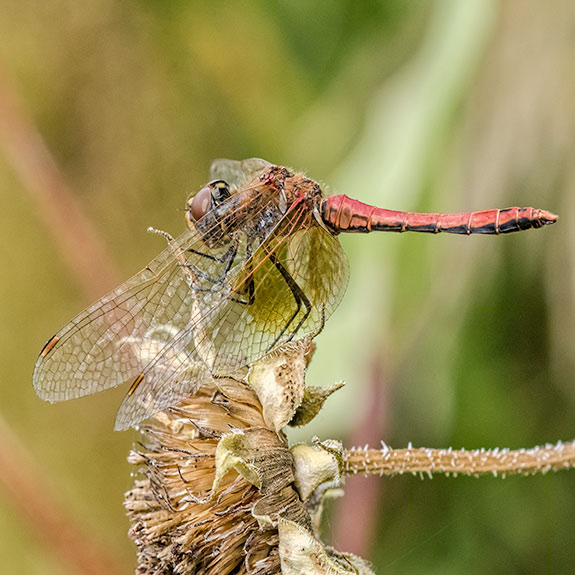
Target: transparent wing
x: 297, y: 280
x: 173, y: 363
x: 288, y: 288
x: 237, y: 173
x: 153, y: 329
x: 165, y: 382
x: 113, y: 340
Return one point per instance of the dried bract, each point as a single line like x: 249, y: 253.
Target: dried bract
x: 221, y: 492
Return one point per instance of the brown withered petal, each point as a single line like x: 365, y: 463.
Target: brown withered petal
x: 177, y: 525
x: 217, y: 491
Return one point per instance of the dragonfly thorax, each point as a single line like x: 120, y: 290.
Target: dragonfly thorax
x: 220, y: 209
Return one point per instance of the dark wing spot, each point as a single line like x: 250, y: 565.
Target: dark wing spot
x: 49, y: 345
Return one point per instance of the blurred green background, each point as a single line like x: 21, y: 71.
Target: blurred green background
x: 443, y: 340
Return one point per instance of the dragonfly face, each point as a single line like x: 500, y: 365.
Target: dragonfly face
x: 211, y: 195
x: 205, y: 202
x: 259, y: 266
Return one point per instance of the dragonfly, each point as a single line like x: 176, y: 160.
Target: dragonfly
x: 259, y: 265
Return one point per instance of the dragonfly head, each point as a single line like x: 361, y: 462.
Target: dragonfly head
x: 210, y: 196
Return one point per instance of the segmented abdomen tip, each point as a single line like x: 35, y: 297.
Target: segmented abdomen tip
x: 546, y: 217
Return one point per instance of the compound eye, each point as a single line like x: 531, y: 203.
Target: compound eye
x: 200, y: 204
x: 220, y: 191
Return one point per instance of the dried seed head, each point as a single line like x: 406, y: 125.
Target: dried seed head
x: 178, y: 524
x: 221, y: 492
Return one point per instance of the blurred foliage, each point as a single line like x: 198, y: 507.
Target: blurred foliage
x: 443, y: 106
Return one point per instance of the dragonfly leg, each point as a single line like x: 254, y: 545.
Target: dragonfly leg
x: 248, y: 282
x: 250, y: 289
x: 299, y: 297
x: 207, y: 256
x: 227, y: 259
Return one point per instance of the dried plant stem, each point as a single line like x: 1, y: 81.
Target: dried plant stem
x: 475, y: 462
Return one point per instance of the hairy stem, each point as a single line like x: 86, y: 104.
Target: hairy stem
x: 474, y: 462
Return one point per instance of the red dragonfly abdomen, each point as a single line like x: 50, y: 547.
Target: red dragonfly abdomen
x: 343, y: 214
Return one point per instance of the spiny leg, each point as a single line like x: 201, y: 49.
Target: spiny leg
x: 228, y: 259
x: 299, y: 297
x: 248, y: 282
x: 250, y: 287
